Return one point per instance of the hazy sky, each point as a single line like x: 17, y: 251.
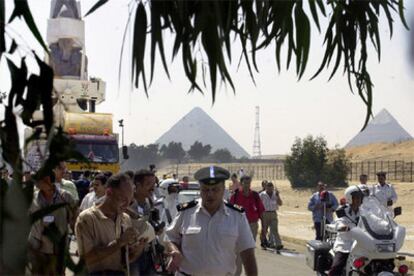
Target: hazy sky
x: 288, y: 108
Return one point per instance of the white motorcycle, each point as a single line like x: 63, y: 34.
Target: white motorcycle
x: 377, y: 237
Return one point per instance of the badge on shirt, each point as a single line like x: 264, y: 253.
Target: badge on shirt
x: 193, y: 230
x: 48, y: 219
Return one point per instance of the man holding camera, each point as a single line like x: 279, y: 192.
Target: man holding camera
x: 383, y: 191
x: 143, y: 206
x: 322, y: 204
x: 46, y: 255
x: 106, y: 240
x: 206, y: 236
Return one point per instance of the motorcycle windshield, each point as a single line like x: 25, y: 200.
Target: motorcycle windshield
x: 375, y: 219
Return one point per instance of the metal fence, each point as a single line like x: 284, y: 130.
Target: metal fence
x: 259, y: 171
x: 397, y: 170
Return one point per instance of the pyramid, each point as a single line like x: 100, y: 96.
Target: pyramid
x: 198, y: 126
x: 384, y: 128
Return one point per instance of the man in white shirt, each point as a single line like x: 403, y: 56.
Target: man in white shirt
x: 271, y: 201
x: 348, y: 217
x: 169, y: 189
x: 383, y: 191
x: 97, y: 195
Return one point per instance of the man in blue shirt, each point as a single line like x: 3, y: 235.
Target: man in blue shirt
x: 322, y: 204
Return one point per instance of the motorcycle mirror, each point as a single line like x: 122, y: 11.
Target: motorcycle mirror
x: 397, y: 211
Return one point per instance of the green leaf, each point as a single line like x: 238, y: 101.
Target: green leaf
x: 314, y: 12
x: 401, y: 11
x: 21, y: 8
x: 97, y: 5
x: 18, y: 80
x: 13, y: 46
x: 156, y: 37
x: 32, y: 101
x: 10, y: 140
x: 46, y: 88
x: 368, y: 87
x: 321, y: 6
x: 140, y: 34
x: 207, y: 42
x: 302, y: 40
x: 2, y: 27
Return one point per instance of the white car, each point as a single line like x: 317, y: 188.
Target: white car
x: 189, y: 194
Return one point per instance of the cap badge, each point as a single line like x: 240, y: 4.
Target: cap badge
x: 212, y: 172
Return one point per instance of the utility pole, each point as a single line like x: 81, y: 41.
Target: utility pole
x: 257, y: 152
x: 124, y: 148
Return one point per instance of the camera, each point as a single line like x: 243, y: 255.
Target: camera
x: 154, y: 220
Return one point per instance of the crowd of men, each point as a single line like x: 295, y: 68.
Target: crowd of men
x: 131, y: 223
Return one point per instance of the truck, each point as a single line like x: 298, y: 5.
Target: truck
x: 92, y: 136
x: 75, y: 95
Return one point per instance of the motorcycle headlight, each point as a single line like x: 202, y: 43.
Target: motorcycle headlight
x: 390, y: 247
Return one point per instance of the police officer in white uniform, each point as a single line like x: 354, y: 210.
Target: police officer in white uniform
x: 348, y: 217
x: 206, y: 236
x: 383, y: 191
x: 169, y: 189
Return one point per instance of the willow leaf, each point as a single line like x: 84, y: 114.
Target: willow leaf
x: 2, y: 27
x: 401, y: 11
x: 97, y: 5
x: 21, y: 8
x: 140, y: 35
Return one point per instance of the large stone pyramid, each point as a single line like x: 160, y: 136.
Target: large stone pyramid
x: 384, y: 128
x: 198, y: 126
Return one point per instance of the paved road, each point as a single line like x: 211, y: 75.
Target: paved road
x: 273, y: 264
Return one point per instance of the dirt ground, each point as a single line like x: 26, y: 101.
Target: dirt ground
x: 295, y: 220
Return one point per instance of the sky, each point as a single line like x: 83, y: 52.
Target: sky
x: 288, y: 108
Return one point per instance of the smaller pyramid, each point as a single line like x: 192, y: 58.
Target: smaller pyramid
x: 198, y: 126
x: 384, y: 128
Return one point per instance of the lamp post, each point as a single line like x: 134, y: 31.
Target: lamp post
x: 121, y: 124
x: 124, y: 148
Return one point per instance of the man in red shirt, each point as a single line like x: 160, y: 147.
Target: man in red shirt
x: 253, y: 206
x: 250, y: 201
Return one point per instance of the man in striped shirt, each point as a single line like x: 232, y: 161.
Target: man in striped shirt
x: 271, y: 201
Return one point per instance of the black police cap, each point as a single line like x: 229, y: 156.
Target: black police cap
x: 211, y: 175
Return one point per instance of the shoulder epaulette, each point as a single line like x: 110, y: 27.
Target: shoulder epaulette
x: 236, y: 207
x: 186, y: 205
x: 340, y: 212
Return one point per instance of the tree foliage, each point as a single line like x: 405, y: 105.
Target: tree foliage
x: 141, y: 156
x: 173, y: 151
x: 29, y: 92
x: 222, y: 156
x: 311, y: 161
x: 209, y: 29
x: 337, y: 167
x: 198, y: 151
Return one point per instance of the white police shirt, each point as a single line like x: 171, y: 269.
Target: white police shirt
x: 343, y: 242
x: 210, y: 244
x: 170, y: 204
x: 384, y: 193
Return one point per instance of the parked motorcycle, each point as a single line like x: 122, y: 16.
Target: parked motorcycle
x: 378, y: 238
